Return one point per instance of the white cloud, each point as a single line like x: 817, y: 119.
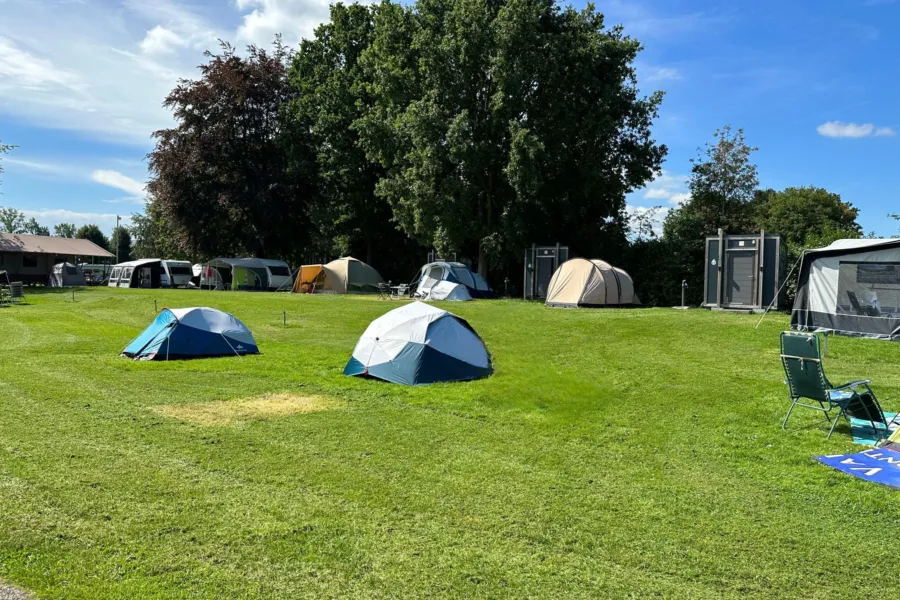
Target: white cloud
x: 663, y: 74
x: 39, y: 166
x: 294, y: 19
x: 50, y: 217
x: 837, y: 129
x: 119, y: 181
x: 658, y: 194
x: 160, y: 40
x: 669, y: 187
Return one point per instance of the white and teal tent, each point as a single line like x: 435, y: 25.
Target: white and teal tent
x: 418, y: 344
x: 197, y: 332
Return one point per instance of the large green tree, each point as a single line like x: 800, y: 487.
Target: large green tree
x: 120, y: 244
x: 11, y: 220
x: 332, y: 94
x: 32, y: 227
x: 64, y: 230
x: 151, y: 236
x: 722, y: 195
x: 503, y: 122
x: 92, y: 233
x: 801, y: 213
x: 220, y: 177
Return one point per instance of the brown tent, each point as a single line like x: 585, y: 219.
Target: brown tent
x: 582, y: 282
x: 341, y: 276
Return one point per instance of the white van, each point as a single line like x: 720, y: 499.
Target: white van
x: 279, y: 274
x: 176, y: 273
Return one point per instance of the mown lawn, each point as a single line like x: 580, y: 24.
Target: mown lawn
x: 614, y: 453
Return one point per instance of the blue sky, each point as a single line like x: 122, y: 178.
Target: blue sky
x: 814, y: 84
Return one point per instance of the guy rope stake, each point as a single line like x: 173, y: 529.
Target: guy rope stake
x: 156, y: 310
x: 73, y: 295
x: 284, y: 318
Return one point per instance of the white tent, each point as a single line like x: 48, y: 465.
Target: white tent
x: 65, y: 275
x: 454, y: 272
x: 445, y: 290
x: 418, y: 344
x: 851, y: 287
x: 582, y: 282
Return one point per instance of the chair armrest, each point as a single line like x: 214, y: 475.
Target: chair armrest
x: 853, y: 384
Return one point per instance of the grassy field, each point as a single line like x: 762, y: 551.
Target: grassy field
x: 613, y: 454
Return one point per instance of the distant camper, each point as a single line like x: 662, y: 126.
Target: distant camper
x: 151, y: 273
x: 249, y: 274
x: 176, y: 273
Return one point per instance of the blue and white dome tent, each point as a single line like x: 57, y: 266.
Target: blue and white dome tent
x: 419, y: 344
x: 198, y: 332
x: 454, y: 272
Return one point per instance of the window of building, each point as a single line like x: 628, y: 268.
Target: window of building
x: 29, y: 261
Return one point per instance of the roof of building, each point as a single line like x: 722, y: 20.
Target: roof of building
x: 45, y: 244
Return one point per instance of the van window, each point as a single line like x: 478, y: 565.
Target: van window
x: 280, y: 271
x: 179, y: 269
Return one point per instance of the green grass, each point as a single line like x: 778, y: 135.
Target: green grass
x: 613, y: 454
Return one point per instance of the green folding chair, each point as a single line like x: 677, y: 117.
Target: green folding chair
x: 802, y: 360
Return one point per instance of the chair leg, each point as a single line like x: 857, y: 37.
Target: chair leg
x: 788, y: 415
x: 833, y: 425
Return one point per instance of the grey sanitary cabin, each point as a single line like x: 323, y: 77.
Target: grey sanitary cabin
x: 744, y: 272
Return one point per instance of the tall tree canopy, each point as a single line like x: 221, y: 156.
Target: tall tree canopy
x: 504, y: 122
x: 32, y: 227
x: 332, y: 93
x: 220, y: 176
x: 64, y: 230
x: 92, y: 232
x: 11, y: 220
x: 802, y: 213
x: 723, y: 188
x: 120, y: 244
x: 152, y: 237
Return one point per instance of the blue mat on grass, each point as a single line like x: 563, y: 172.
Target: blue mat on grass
x: 878, y: 465
x: 863, y: 433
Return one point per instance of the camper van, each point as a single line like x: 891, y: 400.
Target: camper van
x: 176, y: 273
x: 279, y: 274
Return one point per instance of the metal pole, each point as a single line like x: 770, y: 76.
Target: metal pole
x: 683, y: 287
x: 116, y: 232
x: 155, y: 309
x: 284, y: 318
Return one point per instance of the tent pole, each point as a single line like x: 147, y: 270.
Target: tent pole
x: 230, y: 346
x: 784, y: 283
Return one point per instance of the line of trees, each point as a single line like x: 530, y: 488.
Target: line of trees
x: 473, y: 128
x: 724, y: 194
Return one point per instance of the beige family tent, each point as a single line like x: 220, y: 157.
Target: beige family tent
x: 342, y: 276
x: 583, y: 282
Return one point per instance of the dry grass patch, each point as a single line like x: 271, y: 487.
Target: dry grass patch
x: 230, y: 412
